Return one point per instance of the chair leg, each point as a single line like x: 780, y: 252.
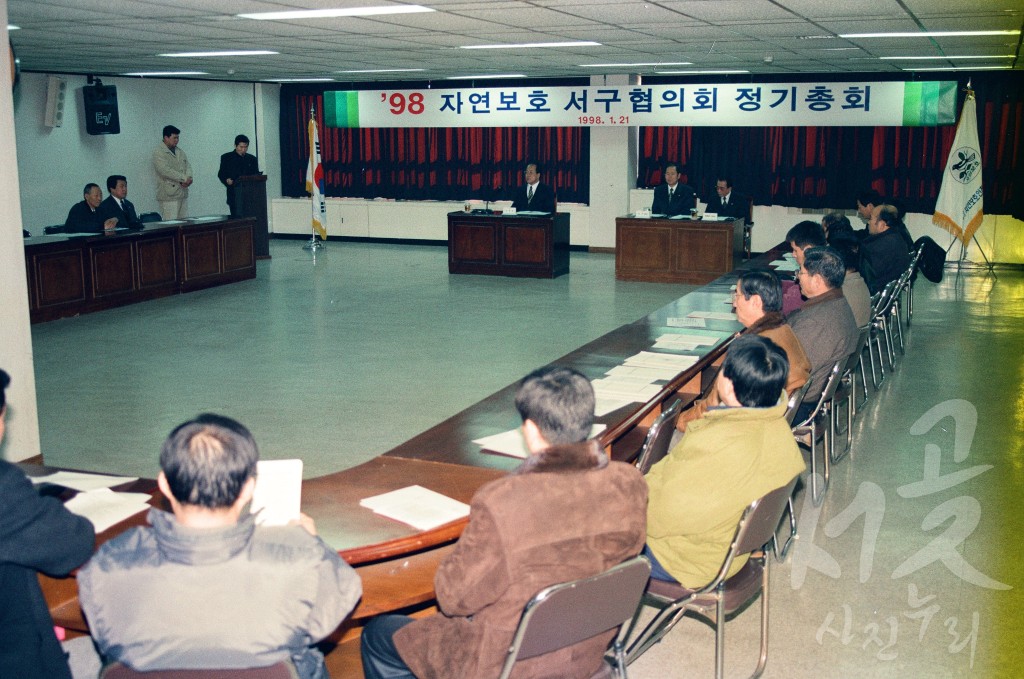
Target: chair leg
x: 762, y: 659
x: 864, y: 377
x: 818, y: 495
x: 780, y: 553
x: 720, y: 635
x: 655, y: 631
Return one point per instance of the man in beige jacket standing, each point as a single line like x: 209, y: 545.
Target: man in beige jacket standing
x: 173, y: 176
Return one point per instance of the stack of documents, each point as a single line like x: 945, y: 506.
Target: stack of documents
x: 105, y: 508
x: 511, y: 442
x: 417, y: 506
x: 95, y: 501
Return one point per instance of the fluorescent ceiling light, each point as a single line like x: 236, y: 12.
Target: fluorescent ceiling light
x: 384, y: 70
x: 973, y: 56
x: 332, y: 13
x: 652, y: 63
x: 166, y: 73
x: 298, y: 80
x: 960, y: 68
x: 222, y: 53
x: 716, y: 72
x: 574, y: 43
x: 12, y: 27
x: 926, y: 34
x: 485, y: 76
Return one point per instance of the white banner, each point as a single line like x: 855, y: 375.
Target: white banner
x: 959, y: 208
x: 728, y: 105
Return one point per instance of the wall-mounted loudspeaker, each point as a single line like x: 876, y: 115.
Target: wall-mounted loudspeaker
x: 101, y: 109
x: 56, y: 88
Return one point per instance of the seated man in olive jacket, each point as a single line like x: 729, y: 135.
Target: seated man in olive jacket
x: 565, y: 513
x: 733, y: 455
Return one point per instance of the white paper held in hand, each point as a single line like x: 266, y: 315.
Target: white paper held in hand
x: 278, y: 495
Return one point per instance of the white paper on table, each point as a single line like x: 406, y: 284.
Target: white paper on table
x: 670, y: 345
x: 417, y: 506
x: 712, y: 315
x: 82, y: 481
x: 640, y: 372
x: 511, y: 442
x: 277, y: 498
x: 709, y: 340
x: 785, y: 265
x: 104, y: 507
x: 650, y: 359
x: 613, y: 387
x: 532, y: 213
x: 686, y: 323
x: 603, y: 405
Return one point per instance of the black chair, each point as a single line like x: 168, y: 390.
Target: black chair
x: 563, y: 615
x: 281, y: 670
x: 56, y: 228
x: 724, y: 595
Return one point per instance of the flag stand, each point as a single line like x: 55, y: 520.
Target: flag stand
x: 317, y: 208
x: 962, y: 262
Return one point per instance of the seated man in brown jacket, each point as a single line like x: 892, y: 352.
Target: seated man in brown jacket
x: 758, y: 302
x: 565, y: 513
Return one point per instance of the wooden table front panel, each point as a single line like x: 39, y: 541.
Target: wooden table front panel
x: 238, y: 248
x: 527, y: 245
x: 673, y: 250
x: 113, y: 269
x: 474, y: 243
x: 202, y: 254
x: 59, y: 277
x: 158, y: 262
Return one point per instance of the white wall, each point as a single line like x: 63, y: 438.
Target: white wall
x: 54, y: 164
x: 22, y: 438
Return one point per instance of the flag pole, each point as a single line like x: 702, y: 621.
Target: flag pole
x: 314, y: 244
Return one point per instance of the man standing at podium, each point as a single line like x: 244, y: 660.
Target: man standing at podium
x: 235, y: 164
x: 673, y: 198
x: 534, y: 196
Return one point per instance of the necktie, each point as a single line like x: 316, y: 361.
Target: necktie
x: 529, y: 193
x: 670, y: 192
x: 725, y: 201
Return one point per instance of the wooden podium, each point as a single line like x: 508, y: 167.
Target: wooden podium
x: 250, y: 200
x: 534, y: 246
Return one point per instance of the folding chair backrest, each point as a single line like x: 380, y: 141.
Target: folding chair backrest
x: 829, y: 389
x: 762, y: 519
x: 793, y: 404
x: 659, y: 436
x: 562, y: 615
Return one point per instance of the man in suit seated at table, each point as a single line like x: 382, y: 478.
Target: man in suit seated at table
x: 739, y: 451
x: 205, y: 587
x: 884, y: 254
x: 825, y: 324
x: 534, y: 196
x: 758, y: 302
x: 85, y: 216
x: 673, y: 198
x: 37, y: 535
x: 726, y: 202
x: 565, y: 513
x: 117, y: 205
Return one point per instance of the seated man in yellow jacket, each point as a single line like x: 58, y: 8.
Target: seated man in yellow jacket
x: 736, y: 453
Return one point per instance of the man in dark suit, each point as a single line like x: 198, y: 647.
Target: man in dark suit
x: 37, y: 534
x: 726, y: 202
x: 673, y: 198
x: 85, y: 217
x: 534, y: 196
x: 117, y: 204
x: 235, y: 164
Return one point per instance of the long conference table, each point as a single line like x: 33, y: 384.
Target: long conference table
x: 72, y: 274
x: 397, y: 562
